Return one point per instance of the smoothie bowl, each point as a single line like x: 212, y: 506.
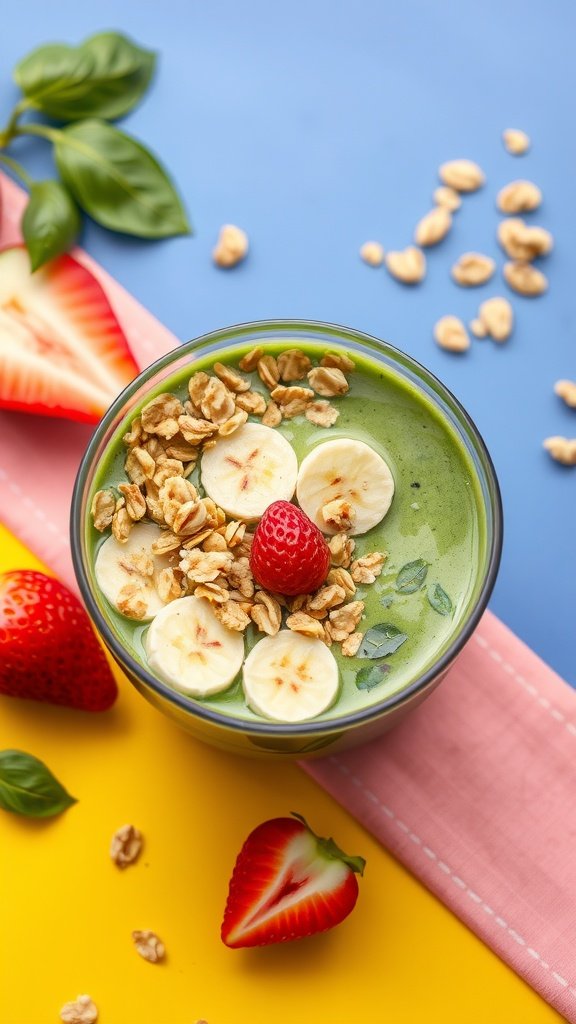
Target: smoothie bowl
x: 285, y: 532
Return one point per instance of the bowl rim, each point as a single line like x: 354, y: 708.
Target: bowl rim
x: 311, y: 727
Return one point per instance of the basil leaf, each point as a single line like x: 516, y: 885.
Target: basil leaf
x: 381, y: 640
x: 371, y: 676
x: 28, y: 787
x: 117, y: 181
x: 386, y: 600
x: 411, y: 576
x: 50, y: 223
x: 439, y: 600
x: 104, y: 77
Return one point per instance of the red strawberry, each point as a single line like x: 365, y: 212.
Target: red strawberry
x: 289, y: 554
x: 48, y: 650
x: 288, y: 883
x: 62, y: 351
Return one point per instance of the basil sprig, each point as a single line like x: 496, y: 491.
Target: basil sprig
x: 29, y: 788
x: 103, y: 170
x: 105, y: 76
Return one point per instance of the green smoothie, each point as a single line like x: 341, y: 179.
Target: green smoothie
x: 434, y: 532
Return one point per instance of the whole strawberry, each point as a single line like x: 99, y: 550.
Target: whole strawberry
x: 289, y: 554
x: 48, y: 650
x: 288, y: 883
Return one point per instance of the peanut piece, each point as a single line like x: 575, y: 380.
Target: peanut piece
x: 519, y: 196
x: 408, y: 265
x: 231, y: 247
x: 372, y: 253
x: 433, y: 227
x: 497, y: 317
x: 462, y: 175
x: 562, y: 449
x: 524, y: 278
x: 516, y: 141
x: 472, y: 269
x: 448, y: 197
x: 523, y: 242
x: 451, y: 334
x: 566, y: 390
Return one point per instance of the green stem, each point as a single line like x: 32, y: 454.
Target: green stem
x: 41, y: 130
x: 18, y: 169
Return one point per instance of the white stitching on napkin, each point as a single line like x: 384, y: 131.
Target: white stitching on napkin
x: 528, y: 687
x: 36, y: 511
x: 448, y: 871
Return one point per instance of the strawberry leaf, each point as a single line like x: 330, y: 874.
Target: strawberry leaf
x: 28, y: 787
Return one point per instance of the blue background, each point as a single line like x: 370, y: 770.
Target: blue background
x: 317, y: 125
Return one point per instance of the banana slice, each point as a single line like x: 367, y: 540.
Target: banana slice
x: 119, y: 565
x: 248, y: 470
x: 349, y: 471
x: 191, y: 650
x: 290, y: 677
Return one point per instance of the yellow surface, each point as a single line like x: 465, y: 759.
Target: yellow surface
x: 67, y: 912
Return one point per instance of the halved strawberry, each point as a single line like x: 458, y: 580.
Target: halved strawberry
x: 48, y: 650
x: 62, y: 350
x: 288, y: 883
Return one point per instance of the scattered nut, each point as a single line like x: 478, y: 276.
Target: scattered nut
x: 566, y: 390
x: 328, y: 381
x: 497, y: 317
x: 340, y: 360
x: 103, y: 508
x: 367, y: 568
x: 231, y: 247
x: 518, y: 197
x: 149, y: 946
x: 408, y: 265
x: 524, y: 278
x: 300, y: 622
x: 272, y: 417
x: 523, y: 242
x: 126, y: 845
x: 321, y: 413
x: 81, y: 1011
x: 477, y: 328
x: 433, y: 227
x: 339, y: 515
x: 462, y: 175
x: 293, y: 365
x: 562, y: 449
x: 268, y: 371
x: 351, y: 644
x: 451, y: 334
x: 448, y: 197
x: 249, y: 362
x: 516, y: 141
x: 372, y: 253
x: 472, y: 269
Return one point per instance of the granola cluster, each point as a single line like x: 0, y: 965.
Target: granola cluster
x: 206, y: 553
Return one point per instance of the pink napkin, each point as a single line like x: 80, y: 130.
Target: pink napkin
x: 473, y: 792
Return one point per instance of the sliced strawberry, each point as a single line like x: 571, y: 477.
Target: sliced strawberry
x: 62, y: 350
x: 288, y: 883
x: 48, y: 650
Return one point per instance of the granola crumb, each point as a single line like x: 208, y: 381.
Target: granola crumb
x: 81, y: 1010
x: 149, y: 946
x: 372, y: 253
x: 126, y: 845
x: 351, y: 644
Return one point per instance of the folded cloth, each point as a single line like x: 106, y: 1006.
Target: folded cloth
x: 39, y: 458
x: 474, y: 791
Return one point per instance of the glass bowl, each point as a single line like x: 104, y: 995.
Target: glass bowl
x: 309, y: 738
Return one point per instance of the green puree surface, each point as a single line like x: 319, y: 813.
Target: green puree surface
x: 436, y: 515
